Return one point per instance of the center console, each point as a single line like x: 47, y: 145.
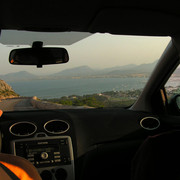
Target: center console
x: 51, y: 155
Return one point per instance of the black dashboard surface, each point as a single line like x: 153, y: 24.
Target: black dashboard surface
x: 113, y: 135
x: 88, y: 127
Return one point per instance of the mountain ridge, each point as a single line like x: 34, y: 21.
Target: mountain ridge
x: 130, y: 70
x: 80, y: 70
x: 15, y: 76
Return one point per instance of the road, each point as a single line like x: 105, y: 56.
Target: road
x: 16, y: 104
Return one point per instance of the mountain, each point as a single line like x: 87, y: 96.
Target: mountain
x: 146, y: 67
x: 78, y: 71
x: 130, y: 70
x: 18, y: 76
x: 118, y: 71
x: 177, y: 72
x: 6, y: 91
x: 125, y: 67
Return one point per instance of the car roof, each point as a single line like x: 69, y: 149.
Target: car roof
x: 116, y: 17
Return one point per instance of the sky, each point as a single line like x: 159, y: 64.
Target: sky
x: 97, y: 51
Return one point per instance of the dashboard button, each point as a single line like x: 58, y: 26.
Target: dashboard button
x: 57, y: 157
x: 44, y: 155
x: 56, y: 153
x: 57, y: 160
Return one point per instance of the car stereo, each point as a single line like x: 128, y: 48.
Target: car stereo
x: 46, y: 152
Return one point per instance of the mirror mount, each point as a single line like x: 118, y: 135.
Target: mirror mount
x: 38, y: 44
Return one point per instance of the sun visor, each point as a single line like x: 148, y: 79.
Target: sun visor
x: 13, y: 37
x: 134, y: 22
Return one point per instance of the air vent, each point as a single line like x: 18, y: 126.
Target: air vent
x: 56, y: 126
x: 150, y: 123
x: 23, y: 129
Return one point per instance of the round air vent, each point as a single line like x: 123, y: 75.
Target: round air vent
x: 23, y: 129
x: 56, y: 126
x: 150, y: 123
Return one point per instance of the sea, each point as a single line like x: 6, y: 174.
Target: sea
x: 47, y: 89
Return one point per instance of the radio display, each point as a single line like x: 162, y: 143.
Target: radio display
x: 36, y: 149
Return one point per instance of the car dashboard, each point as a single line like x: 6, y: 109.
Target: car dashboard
x: 75, y: 143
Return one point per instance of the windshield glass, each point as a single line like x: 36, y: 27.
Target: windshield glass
x: 103, y: 71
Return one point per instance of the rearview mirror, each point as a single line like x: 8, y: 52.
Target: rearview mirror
x: 38, y: 56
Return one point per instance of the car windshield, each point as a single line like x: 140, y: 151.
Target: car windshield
x: 103, y: 71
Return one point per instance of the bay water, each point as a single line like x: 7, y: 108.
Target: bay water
x: 46, y: 89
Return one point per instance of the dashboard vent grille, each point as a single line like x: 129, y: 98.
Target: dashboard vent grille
x: 23, y: 128
x: 56, y: 126
x: 150, y: 123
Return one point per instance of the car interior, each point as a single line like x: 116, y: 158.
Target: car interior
x: 89, y: 143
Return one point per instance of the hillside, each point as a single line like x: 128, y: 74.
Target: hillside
x: 18, y: 76
x: 130, y: 70
x: 6, y: 91
x: 104, y: 99
x: 78, y: 71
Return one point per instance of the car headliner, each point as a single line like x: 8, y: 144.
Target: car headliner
x: 116, y: 17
